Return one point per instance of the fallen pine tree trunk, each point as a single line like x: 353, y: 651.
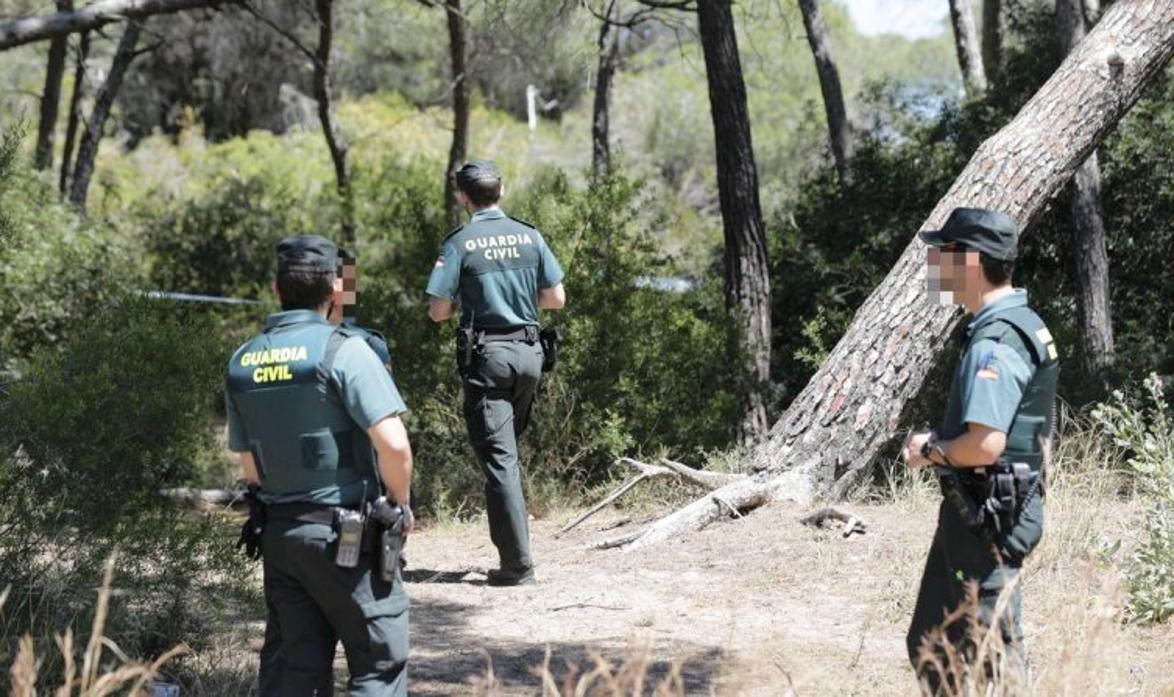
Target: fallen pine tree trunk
x: 830, y: 434
x: 92, y: 16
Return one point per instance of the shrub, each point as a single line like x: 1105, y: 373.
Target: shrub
x: 1142, y: 428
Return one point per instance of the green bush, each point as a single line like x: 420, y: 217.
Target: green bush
x: 1142, y: 429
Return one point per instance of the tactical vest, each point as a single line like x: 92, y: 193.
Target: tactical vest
x: 1022, y: 330
x: 306, y: 446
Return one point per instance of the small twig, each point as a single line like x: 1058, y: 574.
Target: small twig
x: 616, y: 541
x: 722, y: 502
x: 574, y: 606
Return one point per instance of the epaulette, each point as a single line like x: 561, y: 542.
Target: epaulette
x: 449, y: 235
x: 523, y: 222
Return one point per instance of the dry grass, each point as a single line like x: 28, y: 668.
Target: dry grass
x: 93, y: 679
x: 601, y: 678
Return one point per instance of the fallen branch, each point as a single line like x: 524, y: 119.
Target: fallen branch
x: 92, y: 16
x: 206, y: 497
x: 667, y: 468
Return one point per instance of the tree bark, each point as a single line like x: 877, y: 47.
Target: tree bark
x: 92, y: 16
x: 746, y: 264
x: 829, y: 436
x: 51, y: 95
x: 335, y: 141
x: 75, y: 112
x: 992, y: 39
x: 608, y: 47
x: 460, y: 107
x: 88, y: 151
x: 829, y: 84
x: 1088, y: 225
x: 966, y: 43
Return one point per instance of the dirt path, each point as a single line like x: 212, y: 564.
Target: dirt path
x: 750, y: 607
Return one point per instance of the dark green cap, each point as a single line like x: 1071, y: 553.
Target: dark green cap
x: 977, y: 229
x: 478, y: 170
x: 307, y: 253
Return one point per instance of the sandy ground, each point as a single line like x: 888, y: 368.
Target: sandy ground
x: 758, y: 606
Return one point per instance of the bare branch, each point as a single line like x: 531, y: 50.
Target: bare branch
x: 92, y: 16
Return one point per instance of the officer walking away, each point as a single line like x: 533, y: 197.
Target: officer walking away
x: 342, y: 312
x: 990, y: 448
x: 501, y: 272
x: 309, y: 408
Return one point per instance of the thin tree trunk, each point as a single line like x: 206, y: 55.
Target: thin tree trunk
x: 51, y: 95
x: 75, y: 111
x: 88, y: 151
x: 1088, y: 225
x: 992, y: 39
x: 826, y: 440
x: 747, y: 277
x: 829, y: 84
x: 460, y: 108
x: 334, y: 138
x: 966, y: 43
x: 92, y: 16
x: 608, y: 47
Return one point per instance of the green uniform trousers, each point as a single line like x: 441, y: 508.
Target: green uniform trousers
x: 958, y: 557
x: 499, y: 391
x: 316, y: 603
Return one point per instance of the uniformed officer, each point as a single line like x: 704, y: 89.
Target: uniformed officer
x: 309, y: 406
x: 342, y: 312
x: 501, y: 272
x: 991, y: 444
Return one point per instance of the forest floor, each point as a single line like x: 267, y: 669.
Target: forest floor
x: 760, y: 606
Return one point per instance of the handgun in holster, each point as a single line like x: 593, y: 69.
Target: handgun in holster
x: 549, y: 339
x: 389, y: 517
x: 254, y: 526
x: 466, y: 347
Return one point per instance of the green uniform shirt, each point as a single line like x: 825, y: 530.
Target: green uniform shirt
x: 495, y: 266
x: 991, y: 376
x: 365, y: 388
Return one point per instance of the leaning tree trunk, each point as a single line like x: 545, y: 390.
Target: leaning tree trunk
x: 966, y: 43
x: 829, y: 436
x: 92, y: 16
x: 330, y: 130
x: 88, y: 151
x: 992, y: 39
x: 51, y: 95
x: 1087, y: 219
x: 458, y: 51
x: 747, y: 270
x: 829, y: 85
x: 75, y: 112
x: 608, y: 47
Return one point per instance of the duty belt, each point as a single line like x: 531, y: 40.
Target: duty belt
x: 527, y: 333
x: 319, y: 513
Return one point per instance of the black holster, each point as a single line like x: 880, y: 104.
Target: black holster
x: 990, y: 503
x: 550, y: 338
x: 467, y: 345
x: 389, y: 521
x: 254, y: 526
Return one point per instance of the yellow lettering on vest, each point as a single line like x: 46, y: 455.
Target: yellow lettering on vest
x: 272, y: 373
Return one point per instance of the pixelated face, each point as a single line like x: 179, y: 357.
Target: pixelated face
x: 348, y: 272
x: 950, y: 274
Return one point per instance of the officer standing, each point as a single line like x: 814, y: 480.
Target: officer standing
x: 342, y: 312
x: 309, y: 406
x: 991, y: 445
x: 501, y: 272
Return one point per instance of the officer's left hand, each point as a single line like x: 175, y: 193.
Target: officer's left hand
x: 911, y: 450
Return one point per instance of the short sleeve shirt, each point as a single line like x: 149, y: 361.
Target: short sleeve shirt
x: 368, y: 392
x: 991, y: 377
x: 495, y: 267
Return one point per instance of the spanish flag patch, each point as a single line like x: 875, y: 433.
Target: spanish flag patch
x: 986, y: 368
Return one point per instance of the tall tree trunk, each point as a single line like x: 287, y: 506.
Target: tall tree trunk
x: 92, y: 16
x: 1088, y: 225
x: 966, y: 43
x: 992, y: 39
x: 88, y: 151
x: 829, y: 85
x: 747, y: 269
x: 51, y: 95
x: 608, y: 47
x: 334, y: 138
x: 460, y: 108
x: 829, y: 436
x: 75, y: 111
